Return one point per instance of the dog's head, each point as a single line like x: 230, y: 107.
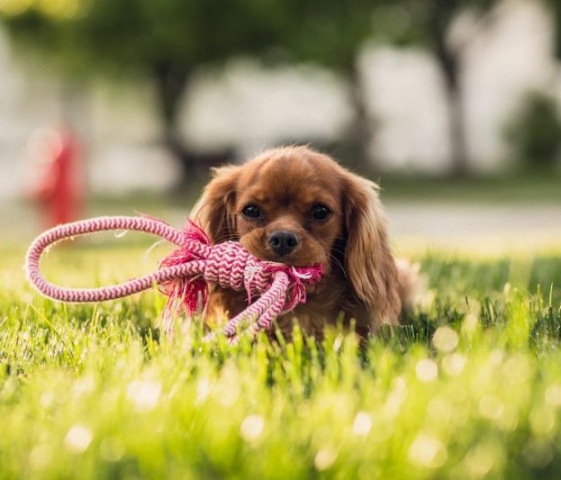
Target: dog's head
x: 299, y: 207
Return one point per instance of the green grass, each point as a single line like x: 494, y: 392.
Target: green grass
x: 469, y: 388
x: 533, y: 188
x: 518, y: 188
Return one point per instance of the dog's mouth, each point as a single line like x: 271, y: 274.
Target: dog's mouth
x: 292, y: 260
x: 289, y: 259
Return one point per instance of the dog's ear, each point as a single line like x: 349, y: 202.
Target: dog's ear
x: 369, y: 264
x: 215, y: 210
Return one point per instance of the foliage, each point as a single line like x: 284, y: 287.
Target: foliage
x: 143, y: 33
x: 329, y: 33
x: 408, y: 22
x: 534, y: 134
x: 471, y: 388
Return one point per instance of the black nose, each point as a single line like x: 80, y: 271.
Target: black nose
x: 283, y: 242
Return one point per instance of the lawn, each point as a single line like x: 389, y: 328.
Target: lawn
x: 469, y: 388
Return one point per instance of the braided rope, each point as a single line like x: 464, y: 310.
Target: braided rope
x: 184, y: 275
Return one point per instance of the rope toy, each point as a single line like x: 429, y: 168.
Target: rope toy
x: 184, y: 275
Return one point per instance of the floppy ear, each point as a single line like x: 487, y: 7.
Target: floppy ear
x: 369, y: 264
x: 215, y: 210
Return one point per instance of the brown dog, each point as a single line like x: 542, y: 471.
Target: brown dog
x: 299, y: 207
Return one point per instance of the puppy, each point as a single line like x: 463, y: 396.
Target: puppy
x: 299, y: 207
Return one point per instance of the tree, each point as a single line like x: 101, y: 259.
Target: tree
x: 534, y: 133
x: 171, y: 39
x: 332, y: 34
x: 429, y: 23
x: 166, y: 39
x: 554, y: 7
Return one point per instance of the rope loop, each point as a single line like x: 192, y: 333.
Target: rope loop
x: 184, y: 275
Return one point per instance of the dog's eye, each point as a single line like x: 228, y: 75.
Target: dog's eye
x: 320, y: 212
x: 252, y: 211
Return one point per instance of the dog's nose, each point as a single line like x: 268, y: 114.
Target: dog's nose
x: 283, y: 242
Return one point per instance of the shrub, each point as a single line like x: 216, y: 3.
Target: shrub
x: 534, y: 134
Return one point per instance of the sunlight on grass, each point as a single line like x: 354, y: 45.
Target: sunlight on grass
x: 469, y: 387
x: 481, y: 246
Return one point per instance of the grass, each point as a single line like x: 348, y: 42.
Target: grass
x: 517, y: 188
x: 469, y: 388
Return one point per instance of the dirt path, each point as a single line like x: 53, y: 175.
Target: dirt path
x: 475, y: 226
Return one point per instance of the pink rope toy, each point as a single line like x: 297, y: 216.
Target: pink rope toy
x: 184, y: 275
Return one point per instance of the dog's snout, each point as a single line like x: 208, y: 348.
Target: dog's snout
x: 283, y: 242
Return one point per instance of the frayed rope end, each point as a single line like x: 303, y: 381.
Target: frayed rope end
x: 185, y: 294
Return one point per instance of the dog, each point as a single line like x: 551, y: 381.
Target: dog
x: 300, y: 207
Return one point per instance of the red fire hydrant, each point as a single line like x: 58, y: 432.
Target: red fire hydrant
x: 58, y: 190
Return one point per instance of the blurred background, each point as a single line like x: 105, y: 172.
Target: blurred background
x: 451, y: 105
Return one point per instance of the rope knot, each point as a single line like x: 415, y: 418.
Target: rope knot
x: 229, y: 265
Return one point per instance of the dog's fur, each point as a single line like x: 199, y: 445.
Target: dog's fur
x: 287, y: 190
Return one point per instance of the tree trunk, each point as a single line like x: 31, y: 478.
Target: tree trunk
x: 449, y: 64
x: 360, y: 133
x: 171, y: 85
x: 456, y: 116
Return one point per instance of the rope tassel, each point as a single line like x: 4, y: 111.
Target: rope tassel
x: 184, y: 275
